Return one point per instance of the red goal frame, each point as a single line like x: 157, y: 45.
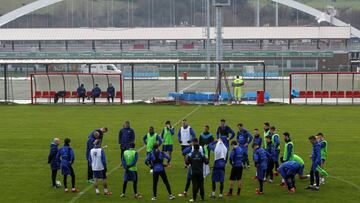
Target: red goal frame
x: 49, y: 95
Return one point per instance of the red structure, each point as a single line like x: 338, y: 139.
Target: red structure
x: 44, y: 86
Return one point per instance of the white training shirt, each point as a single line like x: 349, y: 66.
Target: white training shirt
x: 220, y: 151
x: 185, y: 136
x: 96, y: 162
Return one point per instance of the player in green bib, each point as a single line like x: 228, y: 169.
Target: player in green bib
x: 167, y: 137
x: 129, y: 161
x: 323, y: 152
x: 300, y: 161
x: 289, y: 148
x: 150, y: 139
x: 266, y: 132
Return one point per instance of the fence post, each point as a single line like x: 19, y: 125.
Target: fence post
x: 264, y: 78
x: 322, y: 87
x: 5, y: 82
x: 306, y: 87
x: 337, y: 88
x: 132, y: 83
x: 352, y: 88
x: 290, y: 88
x: 176, y: 78
x: 31, y: 89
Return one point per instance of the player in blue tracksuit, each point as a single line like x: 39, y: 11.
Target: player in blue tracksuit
x: 110, y: 93
x: 95, y: 92
x: 67, y: 157
x: 316, y: 162
x: 257, y: 137
x: 155, y: 161
x: 126, y: 137
x: 270, y: 150
x: 244, y: 138
x: 288, y: 171
x: 225, y: 133
x: 276, y: 142
x: 236, y: 160
x: 96, y: 134
x: 260, y: 160
x: 81, y: 93
x: 218, y: 173
x: 54, y: 161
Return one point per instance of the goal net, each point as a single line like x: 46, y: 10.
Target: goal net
x: 62, y: 87
x: 324, y: 88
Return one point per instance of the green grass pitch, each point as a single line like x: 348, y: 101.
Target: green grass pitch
x: 26, y: 132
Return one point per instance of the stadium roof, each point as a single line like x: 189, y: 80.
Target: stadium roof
x: 173, y: 33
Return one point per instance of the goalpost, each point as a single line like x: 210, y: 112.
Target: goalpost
x: 46, y: 86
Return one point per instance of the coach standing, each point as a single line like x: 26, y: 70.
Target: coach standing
x: 96, y: 134
x: 126, y: 136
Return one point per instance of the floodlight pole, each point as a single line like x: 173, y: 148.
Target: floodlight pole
x: 208, y: 48
x: 218, y: 15
x: 276, y: 14
x: 257, y: 20
x: 218, y: 36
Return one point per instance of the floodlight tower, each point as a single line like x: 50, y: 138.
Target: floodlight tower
x: 218, y: 5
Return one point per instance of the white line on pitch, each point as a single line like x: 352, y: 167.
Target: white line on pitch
x: 346, y: 181
x: 118, y: 166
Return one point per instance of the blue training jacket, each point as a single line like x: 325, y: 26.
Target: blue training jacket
x: 66, y: 155
x: 244, y: 137
x: 237, y: 156
x: 111, y: 91
x: 126, y: 136
x: 156, y: 163
x: 81, y: 91
x: 260, y: 158
x: 270, y: 152
x: 223, y: 133
x: 258, y: 140
x: 95, y: 92
x: 316, y: 156
x: 290, y: 169
x: 53, y: 160
x: 91, y: 140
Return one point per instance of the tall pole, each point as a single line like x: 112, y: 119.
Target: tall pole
x: 218, y: 12
x: 208, y: 48
x: 257, y: 19
x: 276, y: 14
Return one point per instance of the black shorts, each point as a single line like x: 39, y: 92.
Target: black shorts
x: 236, y: 173
x: 100, y: 174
